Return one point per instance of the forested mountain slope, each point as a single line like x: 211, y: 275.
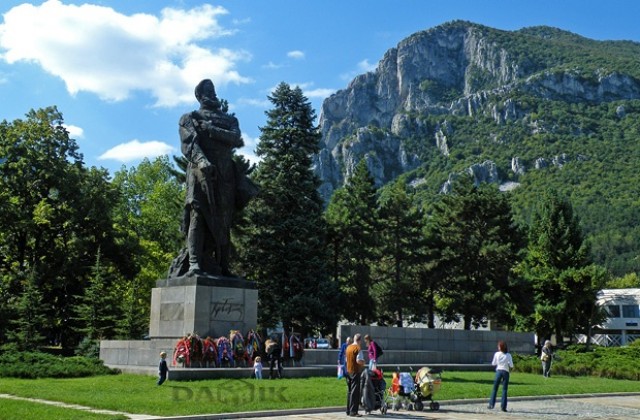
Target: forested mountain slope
x: 529, y: 110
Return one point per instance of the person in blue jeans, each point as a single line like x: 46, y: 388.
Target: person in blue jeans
x: 503, y: 361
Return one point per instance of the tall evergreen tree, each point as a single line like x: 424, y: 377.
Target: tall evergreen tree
x: 477, y: 244
x: 353, y: 229
x: 400, y: 251
x: 284, y: 248
x: 556, y: 248
x: 97, y: 309
x: 26, y: 332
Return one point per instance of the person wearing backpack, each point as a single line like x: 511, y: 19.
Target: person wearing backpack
x: 374, y: 350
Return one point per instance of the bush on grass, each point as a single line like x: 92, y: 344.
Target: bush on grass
x: 576, y: 360
x: 31, y: 365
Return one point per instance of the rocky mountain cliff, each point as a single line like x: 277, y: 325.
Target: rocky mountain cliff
x: 392, y: 116
x: 529, y: 110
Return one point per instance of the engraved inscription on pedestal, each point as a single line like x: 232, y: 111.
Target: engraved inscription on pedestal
x: 227, y: 311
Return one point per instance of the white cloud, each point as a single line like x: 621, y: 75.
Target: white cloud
x: 296, y: 54
x: 309, y: 91
x: 75, y: 132
x: 239, y: 22
x: 272, y: 66
x: 133, y: 150
x: 365, y: 66
x: 248, y: 151
x: 258, y: 103
x: 319, y: 93
x: 96, y: 49
x: 362, y: 67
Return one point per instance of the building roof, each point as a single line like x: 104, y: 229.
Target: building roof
x: 620, y: 296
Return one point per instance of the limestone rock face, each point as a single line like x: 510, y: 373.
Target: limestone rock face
x: 456, y: 69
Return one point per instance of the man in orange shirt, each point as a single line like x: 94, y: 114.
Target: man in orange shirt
x: 355, y: 363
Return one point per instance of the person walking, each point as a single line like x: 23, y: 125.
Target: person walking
x: 374, y: 351
x: 163, y: 369
x: 503, y: 361
x: 355, y: 364
x: 546, y: 356
x: 273, y: 349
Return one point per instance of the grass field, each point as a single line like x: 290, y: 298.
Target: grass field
x: 139, y: 394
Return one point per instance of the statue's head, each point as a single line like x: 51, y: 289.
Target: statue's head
x: 206, y: 94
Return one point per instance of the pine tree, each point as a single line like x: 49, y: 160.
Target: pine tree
x: 30, y: 319
x: 96, y: 310
x: 353, y: 229
x: 476, y: 244
x: 400, y: 252
x: 284, y: 247
x: 555, y: 250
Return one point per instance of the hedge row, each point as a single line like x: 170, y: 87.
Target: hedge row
x: 604, y: 362
x: 42, y: 365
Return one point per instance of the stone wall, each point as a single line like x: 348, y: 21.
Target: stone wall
x: 440, y: 345
x: 402, y: 346
x: 135, y: 352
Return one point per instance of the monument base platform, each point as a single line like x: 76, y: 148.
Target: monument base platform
x: 205, y: 305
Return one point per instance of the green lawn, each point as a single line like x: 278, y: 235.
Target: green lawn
x: 21, y: 410
x: 139, y: 394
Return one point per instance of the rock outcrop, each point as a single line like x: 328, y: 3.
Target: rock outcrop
x: 457, y: 69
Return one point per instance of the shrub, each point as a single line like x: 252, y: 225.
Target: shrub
x: 30, y: 365
x: 576, y: 360
x: 88, y: 348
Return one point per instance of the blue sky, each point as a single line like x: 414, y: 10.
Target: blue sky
x: 122, y: 72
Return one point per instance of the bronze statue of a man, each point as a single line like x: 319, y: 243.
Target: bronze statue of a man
x: 208, y: 138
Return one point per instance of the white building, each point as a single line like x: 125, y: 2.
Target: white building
x: 623, y: 323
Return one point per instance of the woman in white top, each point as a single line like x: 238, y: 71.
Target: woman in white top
x: 503, y: 362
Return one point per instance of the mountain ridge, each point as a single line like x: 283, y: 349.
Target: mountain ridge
x: 463, y: 97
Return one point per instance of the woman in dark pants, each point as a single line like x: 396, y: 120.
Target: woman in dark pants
x: 503, y: 362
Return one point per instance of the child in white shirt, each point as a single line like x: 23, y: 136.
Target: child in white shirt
x: 257, y: 367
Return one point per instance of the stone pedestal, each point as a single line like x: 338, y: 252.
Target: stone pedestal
x: 205, y: 305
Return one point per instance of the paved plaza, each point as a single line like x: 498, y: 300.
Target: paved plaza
x: 602, y: 406
x: 609, y: 407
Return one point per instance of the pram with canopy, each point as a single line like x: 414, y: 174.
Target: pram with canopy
x: 373, y: 388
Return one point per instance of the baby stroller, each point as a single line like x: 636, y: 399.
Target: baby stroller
x: 411, y: 393
x: 428, y: 382
x: 373, y: 391
x: 402, y: 388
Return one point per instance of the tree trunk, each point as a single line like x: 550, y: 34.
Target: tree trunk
x: 467, y: 322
